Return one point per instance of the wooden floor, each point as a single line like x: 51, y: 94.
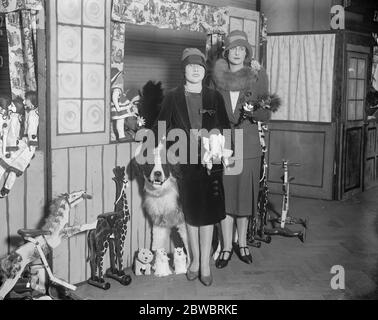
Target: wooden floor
x: 340, y: 233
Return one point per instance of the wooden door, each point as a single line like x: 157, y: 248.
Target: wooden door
x: 357, y: 59
x: 249, y: 22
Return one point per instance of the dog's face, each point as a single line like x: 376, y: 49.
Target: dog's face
x: 179, y: 252
x: 157, y: 174
x: 161, y: 255
x: 145, y: 256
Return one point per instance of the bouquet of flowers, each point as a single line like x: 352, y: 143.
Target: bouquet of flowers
x: 271, y: 102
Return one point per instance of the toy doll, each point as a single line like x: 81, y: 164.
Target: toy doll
x: 17, y: 161
x: 118, y: 112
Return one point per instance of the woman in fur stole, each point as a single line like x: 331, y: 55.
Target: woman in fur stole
x: 193, y: 106
x: 240, y: 81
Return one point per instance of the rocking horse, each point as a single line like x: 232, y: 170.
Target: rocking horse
x: 110, y: 234
x: 38, y: 243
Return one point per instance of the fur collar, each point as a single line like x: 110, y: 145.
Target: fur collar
x: 234, y: 81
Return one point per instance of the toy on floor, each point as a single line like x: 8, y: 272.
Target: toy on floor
x: 39, y: 242
x: 257, y: 223
x: 142, y: 262
x: 179, y: 261
x: 284, y: 219
x: 161, y: 265
x: 110, y: 234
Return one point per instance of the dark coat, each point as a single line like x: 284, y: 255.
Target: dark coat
x: 241, y: 191
x: 202, y: 195
x: 246, y: 80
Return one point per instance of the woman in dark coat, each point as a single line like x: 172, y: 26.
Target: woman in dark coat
x: 192, y: 106
x: 237, y: 81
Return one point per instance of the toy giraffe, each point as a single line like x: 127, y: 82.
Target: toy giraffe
x: 110, y: 233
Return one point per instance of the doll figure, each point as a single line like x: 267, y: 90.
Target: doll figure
x: 132, y: 121
x: 118, y: 111
x: 19, y: 160
x: 13, y: 130
x: 4, y: 122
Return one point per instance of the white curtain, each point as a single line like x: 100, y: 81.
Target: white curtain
x: 300, y: 70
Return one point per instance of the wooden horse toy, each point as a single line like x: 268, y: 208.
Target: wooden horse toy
x: 39, y: 242
x: 110, y: 233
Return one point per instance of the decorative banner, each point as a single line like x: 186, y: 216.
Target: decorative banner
x: 171, y: 14
x: 14, y: 5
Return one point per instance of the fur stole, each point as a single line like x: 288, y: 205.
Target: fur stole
x: 234, y: 81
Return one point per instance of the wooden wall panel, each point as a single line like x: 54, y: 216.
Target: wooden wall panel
x: 4, y: 216
x: 108, y: 164
x: 310, y: 144
x: 60, y: 175
x: 138, y: 219
x: 123, y: 160
x: 16, y: 212
x: 95, y: 187
x: 77, y: 244
x: 35, y: 192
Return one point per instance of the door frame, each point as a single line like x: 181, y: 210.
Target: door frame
x: 353, y: 43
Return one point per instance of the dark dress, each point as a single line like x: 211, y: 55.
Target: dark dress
x: 201, y: 194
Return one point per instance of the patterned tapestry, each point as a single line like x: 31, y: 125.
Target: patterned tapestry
x: 14, y: 5
x: 118, y: 45
x: 20, y: 25
x: 171, y: 14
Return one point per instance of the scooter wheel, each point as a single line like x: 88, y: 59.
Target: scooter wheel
x: 268, y: 239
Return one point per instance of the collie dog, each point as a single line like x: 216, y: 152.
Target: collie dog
x: 161, y: 201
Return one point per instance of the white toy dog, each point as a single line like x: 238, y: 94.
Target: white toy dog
x: 179, y: 260
x: 142, y: 263
x: 161, y: 265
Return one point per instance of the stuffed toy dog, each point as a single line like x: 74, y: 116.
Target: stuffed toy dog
x: 179, y: 260
x: 142, y: 263
x: 161, y: 265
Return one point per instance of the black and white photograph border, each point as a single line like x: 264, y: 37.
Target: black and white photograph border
x: 193, y: 151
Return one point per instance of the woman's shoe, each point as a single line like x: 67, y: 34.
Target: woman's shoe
x: 207, y: 281
x: 191, y: 276
x: 246, y: 257
x: 222, y: 262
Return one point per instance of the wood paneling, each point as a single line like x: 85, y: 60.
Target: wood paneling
x: 95, y: 187
x: 371, y: 156
x: 91, y: 168
x: 16, y: 209
x: 24, y: 207
x: 35, y: 183
x: 311, y: 145
x: 4, y: 229
x: 77, y: 245
x: 60, y: 184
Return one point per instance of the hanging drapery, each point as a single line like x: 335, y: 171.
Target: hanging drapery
x: 14, y: 5
x: 21, y: 26
x: 21, y: 46
x: 171, y: 14
x: 301, y: 69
